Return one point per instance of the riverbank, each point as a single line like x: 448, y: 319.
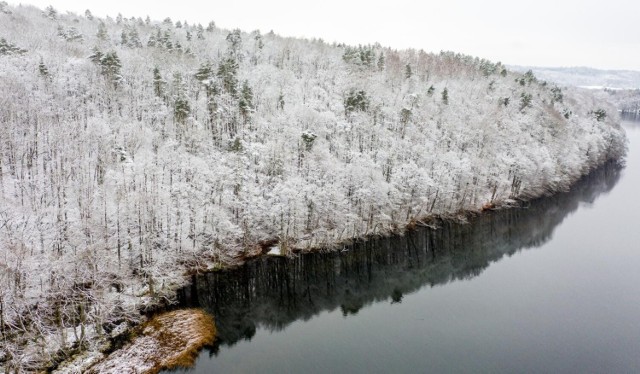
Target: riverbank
x: 529, y: 287
x: 149, y: 356
x: 166, y: 341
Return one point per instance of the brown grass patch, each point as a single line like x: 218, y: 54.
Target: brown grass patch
x: 169, y: 340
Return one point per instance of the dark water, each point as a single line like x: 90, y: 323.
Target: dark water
x: 554, y: 287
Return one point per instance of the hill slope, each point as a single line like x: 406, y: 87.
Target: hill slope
x: 133, y: 152
x: 586, y: 77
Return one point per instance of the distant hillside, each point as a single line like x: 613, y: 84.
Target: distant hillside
x: 586, y: 77
x: 134, y: 153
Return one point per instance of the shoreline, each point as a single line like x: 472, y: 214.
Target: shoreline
x: 168, y: 340
x: 262, y: 249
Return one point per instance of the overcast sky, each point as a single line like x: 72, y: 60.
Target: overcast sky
x: 596, y: 33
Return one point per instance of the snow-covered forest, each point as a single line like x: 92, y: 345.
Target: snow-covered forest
x: 134, y: 152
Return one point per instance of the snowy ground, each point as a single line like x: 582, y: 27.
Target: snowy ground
x: 169, y: 340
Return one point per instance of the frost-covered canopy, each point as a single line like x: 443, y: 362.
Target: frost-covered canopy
x: 132, y: 151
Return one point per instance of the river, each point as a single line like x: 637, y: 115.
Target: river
x: 552, y: 287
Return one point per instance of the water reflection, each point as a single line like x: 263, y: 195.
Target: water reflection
x: 631, y: 116
x: 272, y: 292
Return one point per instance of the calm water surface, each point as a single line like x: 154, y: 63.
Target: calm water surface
x: 554, y: 287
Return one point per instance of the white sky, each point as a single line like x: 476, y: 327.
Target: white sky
x: 596, y: 33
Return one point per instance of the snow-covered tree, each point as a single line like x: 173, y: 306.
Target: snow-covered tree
x: 117, y: 179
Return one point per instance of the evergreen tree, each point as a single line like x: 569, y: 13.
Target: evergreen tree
x: 158, y: 83
x: 381, y: 62
x: 134, y: 38
x: 405, y: 115
x: 234, y: 38
x: 88, y: 15
x: 525, y: 100
x: 205, y: 72
x: 258, y: 39
x: 281, y: 102
x: 599, y: 114
x: 111, y: 65
x: 152, y: 42
x: 227, y: 72
x: 529, y: 77
x: 246, y: 100
x: 42, y: 68
x: 212, y: 91
x: 96, y: 55
x: 445, y: 96
x: 102, y: 31
x: 181, y: 109
x: 211, y: 26
x: 556, y: 94
x: 51, y: 12
x: 200, y: 32
x: 356, y: 101
x: 3, y: 7
x: 407, y: 71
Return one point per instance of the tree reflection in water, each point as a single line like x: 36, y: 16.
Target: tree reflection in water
x: 272, y: 292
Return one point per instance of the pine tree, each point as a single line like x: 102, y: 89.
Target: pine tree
x: 205, y: 72
x: 134, y: 38
x: 51, y: 12
x: 212, y: 91
x: 246, y: 101
x: 407, y: 71
x: 88, y: 15
x: 96, y: 55
x: 381, y: 62
x: 102, y: 31
x: 227, y: 72
x: 181, y: 107
x: 181, y: 110
x: 7, y: 48
x: 529, y: 77
x: 3, y: 9
x: 445, y: 96
x: 42, y: 68
x: 356, y: 101
x: 158, y: 83
x: 234, y: 38
x: 111, y: 65
x: 281, y: 102
x: 525, y: 100
x: 200, y: 32
x: 258, y: 39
